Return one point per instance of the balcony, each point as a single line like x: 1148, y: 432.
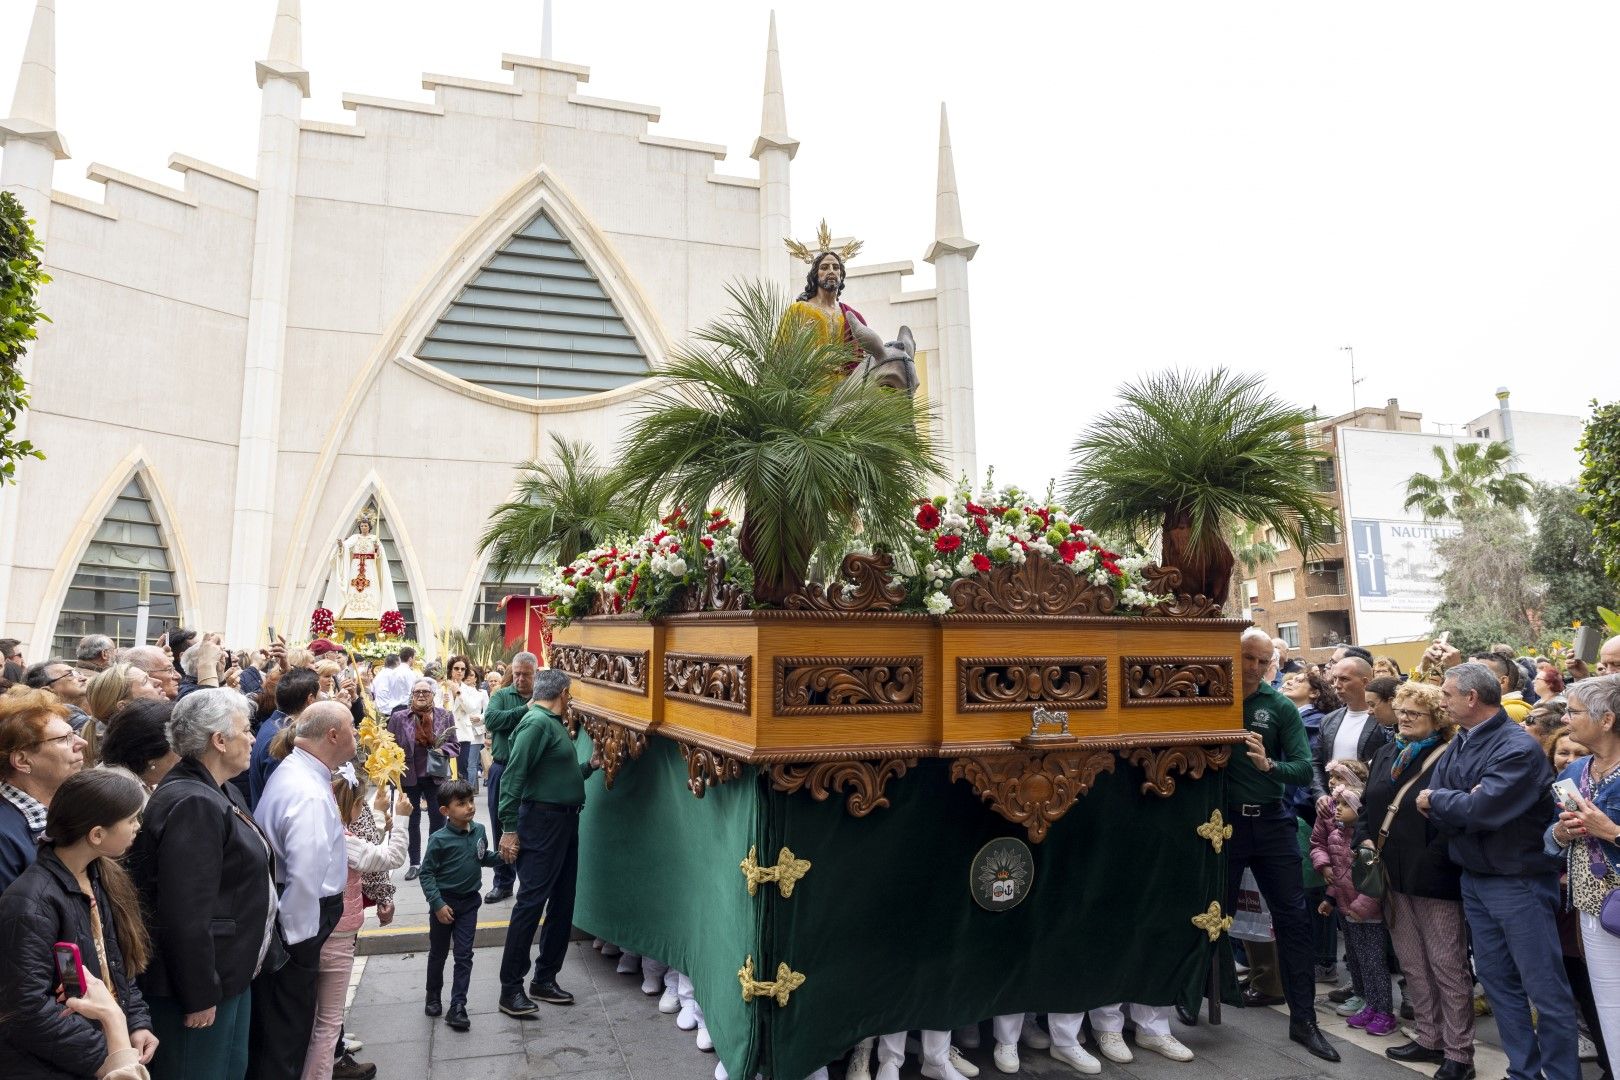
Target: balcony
x: 1325, y: 579
x: 1329, y: 629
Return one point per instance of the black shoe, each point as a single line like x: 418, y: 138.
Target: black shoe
x: 456, y: 1018
x: 413, y: 873
x: 1308, y: 1035
x: 1454, y: 1070
x: 1188, y: 1019
x: 550, y: 993
x: 1415, y: 1051
x: 1254, y: 998
x: 346, y: 1068
x: 1406, y: 1010
x: 514, y: 1003
x: 1342, y: 994
x: 433, y: 1008
x: 496, y: 895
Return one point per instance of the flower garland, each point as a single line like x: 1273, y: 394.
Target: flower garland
x: 321, y: 623
x: 392, y: 624
x: 641, y: 575
x: 958, y: 536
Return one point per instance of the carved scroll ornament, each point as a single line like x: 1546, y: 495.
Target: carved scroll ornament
x: 998, y: 683
x: 721, y: 681
x: 1033, y: 790
x: 622, y: 669
x: 847, y: 685
x: 615, y: 744
x: 714, y: 592
x: 1037, y: 586
x: 1160, y: 762
x: 865, y: 780
x: 1162, y: 581
x: 1177, y: 680
x: 865, y: 583
x: 707, y: 768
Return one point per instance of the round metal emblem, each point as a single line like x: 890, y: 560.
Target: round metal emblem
x: 1002, y: 874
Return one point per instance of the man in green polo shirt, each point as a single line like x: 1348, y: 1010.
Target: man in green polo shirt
x: 1264, y: 837
x: 506, y: 707
x: 542, y: 794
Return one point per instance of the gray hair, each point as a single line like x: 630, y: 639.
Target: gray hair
x: 1474, y: 677
x: 201, y: 715
x: 1600, y: 695
x: 1254, y: 633
x: 91, y: 647
x: 188, y: 660
x: 148, y: 658
x: 550, y: 684
x: 321, y: 717
x: 526, y: 658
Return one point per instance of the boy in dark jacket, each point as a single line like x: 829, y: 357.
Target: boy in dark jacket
x: 452, y: 872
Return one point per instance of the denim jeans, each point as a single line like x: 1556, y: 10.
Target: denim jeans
x: 1513, y: 921
x: 548, y: 864
x: 465, y: 906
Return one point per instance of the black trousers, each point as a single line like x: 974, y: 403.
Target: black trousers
x: 426, y: 789
x: 465, y: 906
x: 1269, y: 846
x: 284, y: 1004
x: 548, y: 865
x: 506, y: 873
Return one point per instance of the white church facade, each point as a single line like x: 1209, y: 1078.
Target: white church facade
x: 389, y: 313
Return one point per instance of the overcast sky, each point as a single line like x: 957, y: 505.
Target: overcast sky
x: 1152, y: 184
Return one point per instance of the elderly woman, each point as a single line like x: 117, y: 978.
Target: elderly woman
x: 203, y: 870
x: 1423, y: 894
x: 138, y: 740
x: 423, y: 730
x: 1549, y: 684
x: 38, y: 750
x: 109, y: 692
x: 542, y: 794
x: 1588, y: 829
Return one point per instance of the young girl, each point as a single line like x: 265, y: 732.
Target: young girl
x: 1333, y: 854
x: 77, y: 892
x: 337, y: 955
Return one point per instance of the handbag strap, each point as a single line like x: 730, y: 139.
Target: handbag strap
x: 1395, y: 803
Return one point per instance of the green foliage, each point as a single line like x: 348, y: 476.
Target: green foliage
x: 1489, y: 592
x: 1564, y: 557
x: 1250, y: 550
x: 756, y: 415
x: 1214, y: 449
x: 20, y: 280
x: 485, y: 648
x: 560, y: 509
x: 1600, y: 483
x: 1473, y: 477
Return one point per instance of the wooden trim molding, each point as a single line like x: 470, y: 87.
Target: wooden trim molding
x: 1033, y: 790
x: 864, y: 779
x: 617, y: 669
x: 848, y: 685
x: 615, y: 744
x: 707, y: 768
x: 1000, y: 683
x: 1160, y: 762
x: 1176, y: 680
x: 720, y: 682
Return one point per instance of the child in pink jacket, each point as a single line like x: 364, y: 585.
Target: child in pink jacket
x: 1333, y: 855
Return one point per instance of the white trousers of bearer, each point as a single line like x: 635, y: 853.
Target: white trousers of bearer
x: 1149, y: 1019
x: 1603, y: 968
x: 936, y: 1048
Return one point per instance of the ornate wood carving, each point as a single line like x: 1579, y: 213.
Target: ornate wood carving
x: 864, y: 584
x: 621, y: 669
x: 724, y: 682
x: 1033, y: 790
x: 999, y: 683
x: 714, y: 592
x: 1161, y: 761
x: 1176, y: 680
x: 1162, y: 581
x: 865, y: 780
x: 615, y: 744
x: 1037, y: 586
x: 707, y: 768
x: 848, y: 685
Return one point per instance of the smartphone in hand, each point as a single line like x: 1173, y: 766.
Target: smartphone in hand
x: 69, y: 968
x: 1567, y: 795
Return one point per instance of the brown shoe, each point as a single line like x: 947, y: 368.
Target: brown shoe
x: 346, y: 1068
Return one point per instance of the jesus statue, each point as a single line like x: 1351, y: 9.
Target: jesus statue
x: 361, y: 588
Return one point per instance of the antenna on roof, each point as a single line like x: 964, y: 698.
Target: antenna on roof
x: 1354, y: 382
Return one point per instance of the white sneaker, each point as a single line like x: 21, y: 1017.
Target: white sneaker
x: 887, y: 1070
x: 687, y: 1020
x: 1112, y: 1045
x: 610, y: 949
x: 652, y: 985
x: 1033, y: 1036
x: 629, y: 963
x: 1585, y: 1048
x: 1006, y: 1057
x: 353, y: 1045
x: 1076, y: 1058
x: 962, y: 1064
x: 1168, y: 1045
x: 947, y: 1071
x: 704, y: 1043
x: 860, y: 1061
x: 966, y: 1037
x: 670, y: 1002
x: 720, y: 1071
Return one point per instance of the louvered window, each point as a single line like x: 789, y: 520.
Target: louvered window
x: 102, y: 596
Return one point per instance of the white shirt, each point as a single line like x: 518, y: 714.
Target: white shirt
x: 300, y: 816
x: 1349, y: 736
x: 462, y: 702
x: 392, y: 687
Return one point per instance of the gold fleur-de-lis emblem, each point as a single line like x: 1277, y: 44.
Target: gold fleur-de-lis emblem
x: 1212, y: 923
x: 1216, y: 831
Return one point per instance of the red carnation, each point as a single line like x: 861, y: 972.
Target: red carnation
x: 981, y: 562
x: 975, y: 509
x: 1068, y: 549
x: 984, y: 526
x: 1075, y: 526
x: 947, y: 543
x: 928, y: 517
x: 708, y: 543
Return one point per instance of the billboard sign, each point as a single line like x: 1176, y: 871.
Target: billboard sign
x: 1396, y: 565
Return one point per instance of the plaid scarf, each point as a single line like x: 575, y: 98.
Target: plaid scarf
x: 33, y: 811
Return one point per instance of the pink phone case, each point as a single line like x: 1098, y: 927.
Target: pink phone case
x: 67, y: 947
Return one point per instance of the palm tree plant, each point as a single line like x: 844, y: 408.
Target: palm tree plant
x: 560, y: 508
x: 1250, y: 550
x: 1473, y: 477
x: 1188, y: 455
x: 757, y: 414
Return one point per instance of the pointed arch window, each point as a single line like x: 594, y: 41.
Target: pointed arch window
x: 488, y: 617
x: 102, y: 597
x: 535, y: 322
x: 396, y: 571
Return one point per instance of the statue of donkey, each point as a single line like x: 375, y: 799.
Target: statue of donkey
x: 897, y: 367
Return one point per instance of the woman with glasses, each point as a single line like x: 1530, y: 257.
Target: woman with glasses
x: 462, y: 701
x: 1423, y: 892
x: 427, y: 734
x: 38, y: 750
x: 109, y: 692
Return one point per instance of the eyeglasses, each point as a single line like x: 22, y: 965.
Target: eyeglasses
x: 60, y: 740
x: 66, y: 675
x: 1412, y: 714
x: 421, y: 693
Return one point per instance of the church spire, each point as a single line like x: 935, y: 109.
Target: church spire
x: 947, y: 203
x: 33, y: 106
x: 286, y: 57
x: 773, y: 130
x: 545, y: 31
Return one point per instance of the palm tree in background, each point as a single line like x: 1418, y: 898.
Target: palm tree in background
x: 1250, y: 550
x: 560, y: 509
x: 1472, y: 477
x: 1190, y: 455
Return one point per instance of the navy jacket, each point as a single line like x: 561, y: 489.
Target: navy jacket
x: 1491, y: 798
x: 17, y: 847
x: 261, y: 764
x: 1607, y: 800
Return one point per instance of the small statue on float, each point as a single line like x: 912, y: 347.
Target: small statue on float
x: 361, y: 588
x: 892, y: 364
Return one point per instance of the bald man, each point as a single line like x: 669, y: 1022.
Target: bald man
x: 1350, y: 730
x: 1609, y: 657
